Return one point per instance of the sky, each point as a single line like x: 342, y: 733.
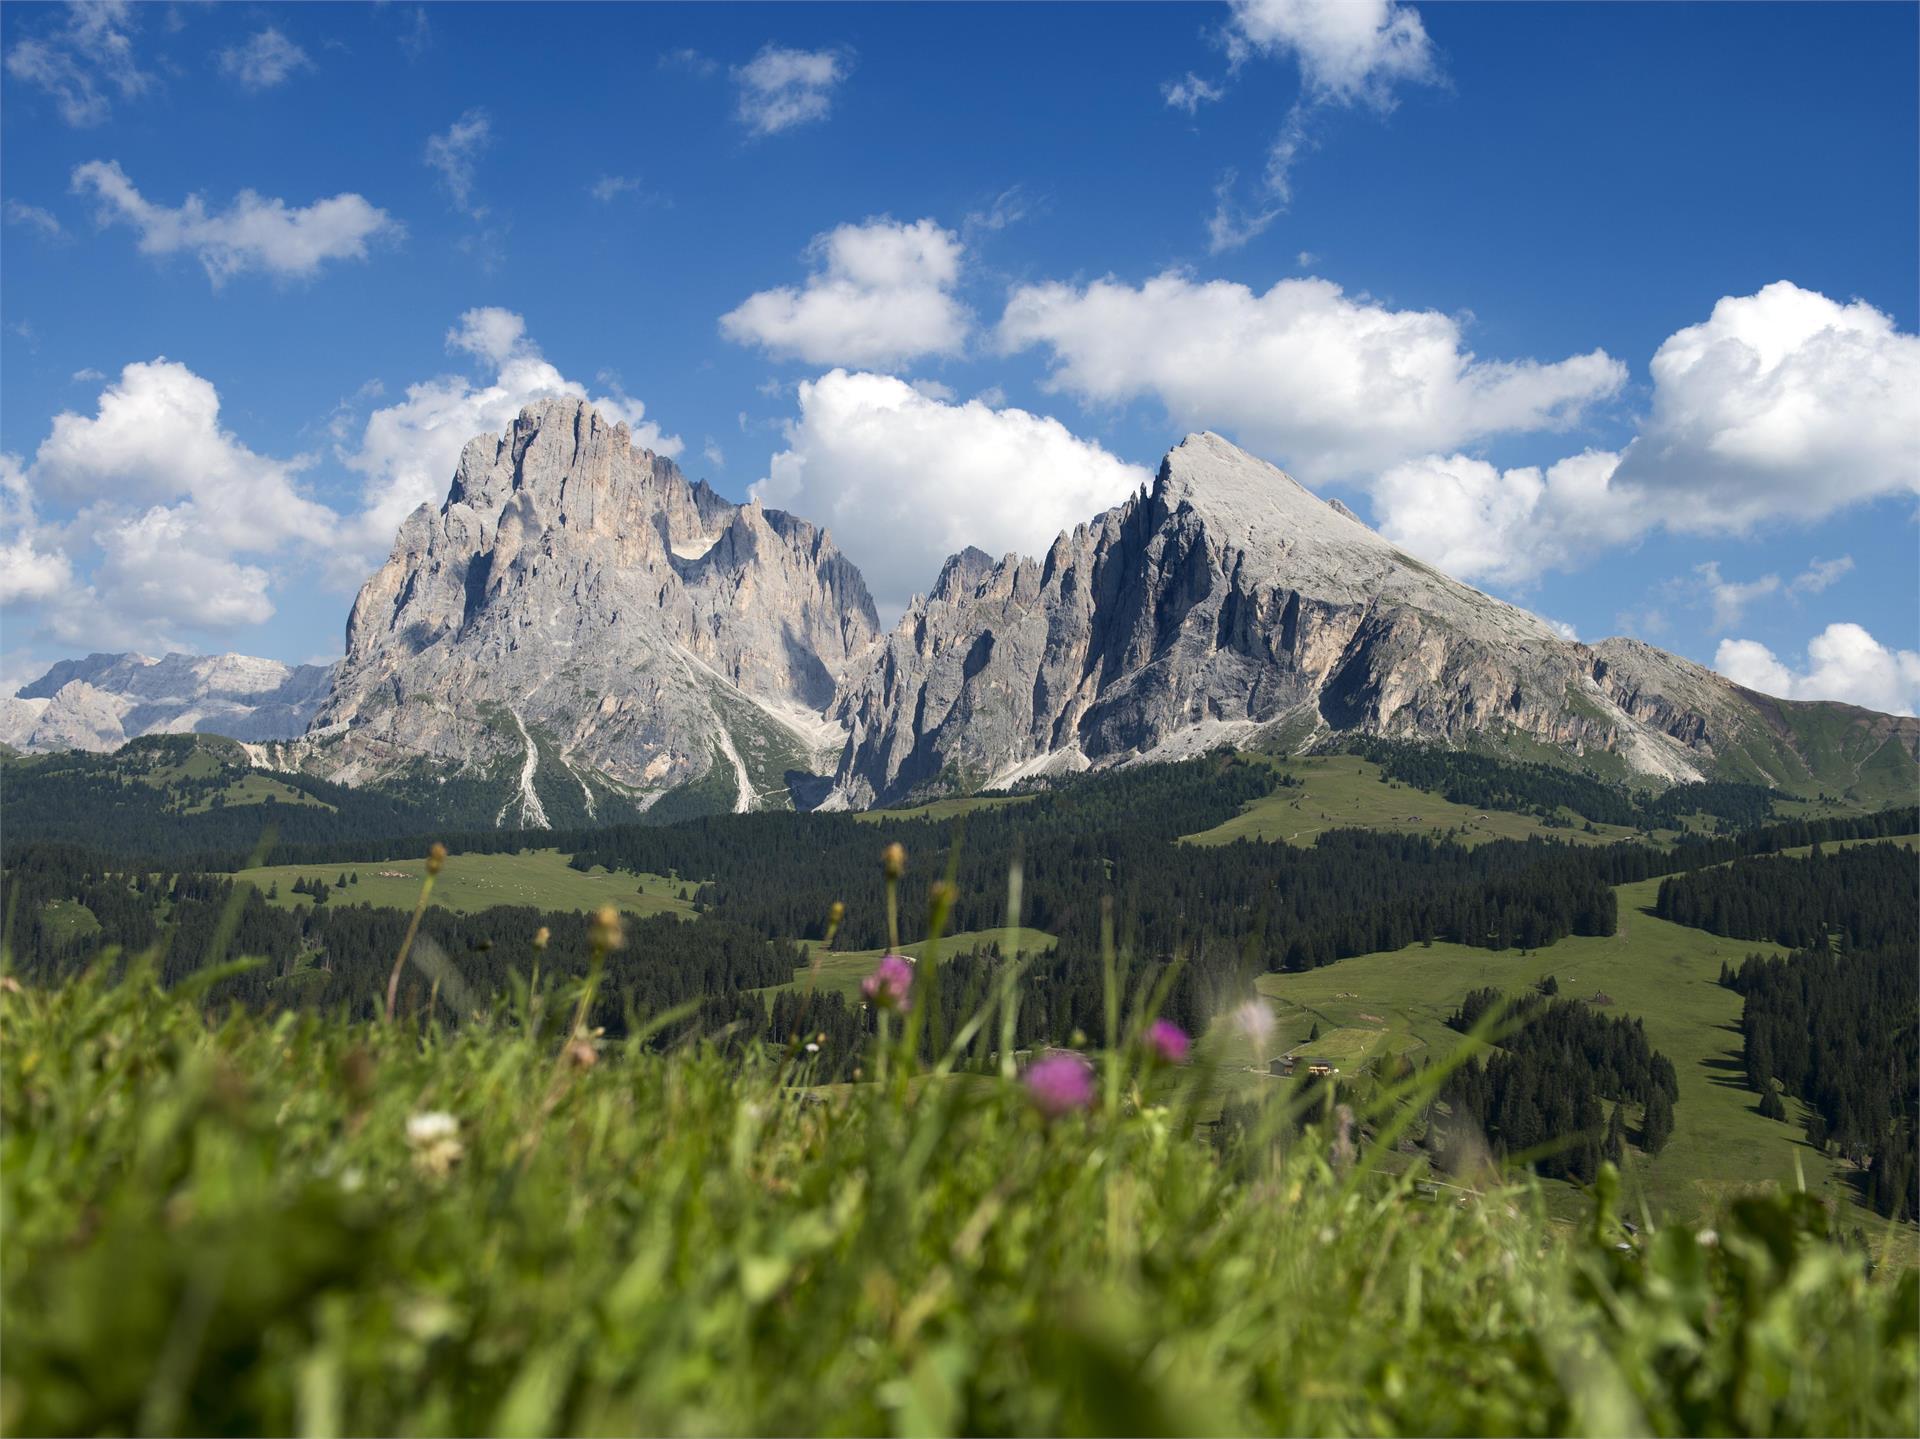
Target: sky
x: 1609, y: 310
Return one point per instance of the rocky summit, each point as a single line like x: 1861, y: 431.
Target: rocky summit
x: 580, y: 634
x: 1230, y: 605
x: 582, y: 622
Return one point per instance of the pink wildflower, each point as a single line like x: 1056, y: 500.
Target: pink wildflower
x: 1168, y: 1042
x: 890, y: 983
x: 1060, y: 1084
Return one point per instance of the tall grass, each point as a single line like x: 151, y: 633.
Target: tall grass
x: 238, y: 1222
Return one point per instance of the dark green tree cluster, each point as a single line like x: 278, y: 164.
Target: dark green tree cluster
x: 1864, y: 896
x: 154, y: 802
x: 1543, y: 790
x: 1839, y: 1032
x: 1539, y: 1094
x: 336, y: 957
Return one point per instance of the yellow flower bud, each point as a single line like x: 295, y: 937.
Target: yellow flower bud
x: 606, y: 932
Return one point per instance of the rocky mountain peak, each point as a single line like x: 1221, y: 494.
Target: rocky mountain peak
x: 580, y: 611
x: 1227, y: 602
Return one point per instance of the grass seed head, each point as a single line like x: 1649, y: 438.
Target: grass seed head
x: 606, y: 931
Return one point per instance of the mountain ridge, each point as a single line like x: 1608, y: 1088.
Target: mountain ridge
x: 586, y: 631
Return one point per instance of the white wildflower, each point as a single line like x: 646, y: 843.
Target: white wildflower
x: 434, y: 1137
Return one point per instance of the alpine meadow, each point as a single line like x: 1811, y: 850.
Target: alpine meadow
x: 789, y: 719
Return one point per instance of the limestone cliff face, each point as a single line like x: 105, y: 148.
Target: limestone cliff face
x: 579, y: 588
x: 1226, y: 601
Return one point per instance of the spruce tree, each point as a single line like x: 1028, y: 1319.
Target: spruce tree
x: 1615, y: 1147
x: 1656, y: 1127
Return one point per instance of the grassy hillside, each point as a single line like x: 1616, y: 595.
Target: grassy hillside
x: 1346, y: 792
x: 1857, y: 759
x: 539, y: 877
x: 941, y: 808
x: 315, y: 1227
x: 1665, y: 974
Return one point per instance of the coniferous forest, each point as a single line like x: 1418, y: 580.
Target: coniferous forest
x: 1541, y: 1091
x: 1836, y: 1024
x: 1865, y: 896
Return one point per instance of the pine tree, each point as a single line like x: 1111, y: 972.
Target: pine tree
x: 1615, y: 1147
x: 1816, y: 1129
x: 1313, y: 1033
x: 1656, y: 1127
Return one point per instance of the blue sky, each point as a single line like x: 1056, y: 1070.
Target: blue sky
x: 1609, y: 309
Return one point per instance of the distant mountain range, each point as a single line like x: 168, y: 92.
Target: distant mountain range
x: 585, y: 633
x: 102, y: 701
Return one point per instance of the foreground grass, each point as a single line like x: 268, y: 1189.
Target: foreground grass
x: 538, y: 877
x: 237, y: 1223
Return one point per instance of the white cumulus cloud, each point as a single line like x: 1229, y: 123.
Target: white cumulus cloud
x: 1844, y: 662
x: 1479, y: 522
x: 780, y: 88
x: 169, y: 511
x: 408, y: 451
x: 162, y: 565
x: 1348, y: 50
x: 264, y: 61
x: 1782, y: 403
x: 156, y: 438
x: 904, y: 480
x: 255, y: 232
x: 881, y: 294
x: 1328, y: 384
x: 33, y: 566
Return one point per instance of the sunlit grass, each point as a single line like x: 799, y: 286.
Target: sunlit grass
x: 239, y: 1222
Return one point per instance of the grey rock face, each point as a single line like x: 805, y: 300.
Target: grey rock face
x: 578, y: 590
x: 1225, y: 602
x: 104, y: 700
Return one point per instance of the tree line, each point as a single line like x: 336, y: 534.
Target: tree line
x: 1839, y: 1031
x: 1484, y: 782
x: 1864, y: 896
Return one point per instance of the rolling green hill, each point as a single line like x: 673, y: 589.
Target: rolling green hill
x: 1665, y: 974
x: 473, y: 882
x: 1343, y: 791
